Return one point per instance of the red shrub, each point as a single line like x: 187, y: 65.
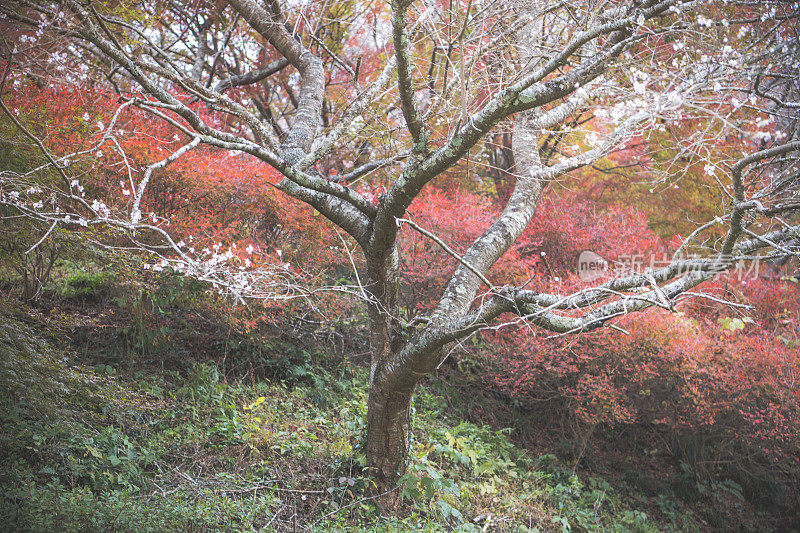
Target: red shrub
x: 673, y: 374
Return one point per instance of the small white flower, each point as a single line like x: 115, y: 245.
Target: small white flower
x: 703, y: 21
x: 710, y: 170
x: 100, y: 125
x: 249, y: 249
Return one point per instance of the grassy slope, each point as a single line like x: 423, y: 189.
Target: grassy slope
x: 97, y: 448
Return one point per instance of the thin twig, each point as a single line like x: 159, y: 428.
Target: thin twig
x: 449, y: 250
x: 35, y: 139
x: 40, y: 241
x: 323, y: 517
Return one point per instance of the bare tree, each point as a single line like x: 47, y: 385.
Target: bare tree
x: 454, y: 75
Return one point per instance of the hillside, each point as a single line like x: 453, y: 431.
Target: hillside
x: 97, y: 439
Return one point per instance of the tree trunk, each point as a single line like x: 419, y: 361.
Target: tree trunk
x: 389, y: 403
x: 388, y: 440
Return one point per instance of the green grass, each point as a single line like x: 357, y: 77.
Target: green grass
x: 90, y: 448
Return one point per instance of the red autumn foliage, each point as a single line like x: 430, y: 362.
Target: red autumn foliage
x: 545, y: 255
x: 685, y: 376
x: 207, y: 198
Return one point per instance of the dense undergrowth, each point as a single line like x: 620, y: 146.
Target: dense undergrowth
x: 132, y: 403
x: 100, y: 448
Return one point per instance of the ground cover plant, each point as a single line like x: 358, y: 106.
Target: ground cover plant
x: 136, y: 449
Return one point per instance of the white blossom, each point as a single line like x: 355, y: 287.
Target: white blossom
x: 703, y: 21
